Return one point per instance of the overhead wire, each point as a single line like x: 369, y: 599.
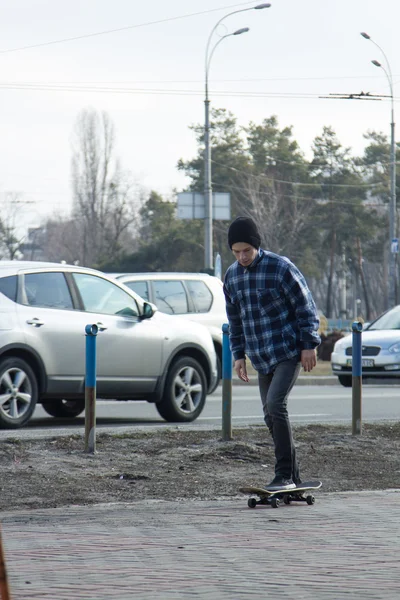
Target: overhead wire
x: 317, y: 200
x: 156, y: 91
x: 35, y: 86
x: 125, y: 28
x: 161, y: 92
x: 297, y: 183
x: 201, y: 81
x: 294, y: 163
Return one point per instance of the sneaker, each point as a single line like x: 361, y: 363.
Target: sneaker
x: 280, y: 483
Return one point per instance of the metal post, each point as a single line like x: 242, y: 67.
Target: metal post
x: 357, y: 378
x: 392, y: 217
x: 342, y: 289
x: 4, y: 589
x: 208, y: 207
x: 90, y: 389
x: 226, y: 385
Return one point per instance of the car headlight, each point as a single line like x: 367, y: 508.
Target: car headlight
x: 338, y: 345
x: 395, y: 349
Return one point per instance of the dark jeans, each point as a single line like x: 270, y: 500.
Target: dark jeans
x: 274, y: 389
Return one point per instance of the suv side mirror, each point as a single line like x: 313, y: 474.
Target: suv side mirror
x: 148, y: 310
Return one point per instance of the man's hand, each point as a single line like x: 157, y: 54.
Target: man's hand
x: 308, y: 359
x: 240, y: 368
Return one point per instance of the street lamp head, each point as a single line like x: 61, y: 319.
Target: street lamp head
x: 242, y: 30
x: 261, y: 6
x: 365, y: 35
x: 376, y: 63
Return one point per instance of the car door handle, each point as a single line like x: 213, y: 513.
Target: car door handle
x: 101, y: 326
x: 35, y: 322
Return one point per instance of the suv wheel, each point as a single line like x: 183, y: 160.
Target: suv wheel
x: 185, y: 391
x: 64, y: 409
x: 345, y: 380
x: 18, y: 392
x: 219, y: 377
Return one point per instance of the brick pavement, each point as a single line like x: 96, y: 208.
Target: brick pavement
x: 345, y: 546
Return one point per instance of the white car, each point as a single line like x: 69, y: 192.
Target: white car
x: 195, y: 296
x: 380, y: 350
x: 141, y: 353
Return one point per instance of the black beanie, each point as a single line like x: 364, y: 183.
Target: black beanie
x: 244, y: 229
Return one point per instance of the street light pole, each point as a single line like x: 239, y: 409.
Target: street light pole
x: 208, y: 200
x: 392, y: 291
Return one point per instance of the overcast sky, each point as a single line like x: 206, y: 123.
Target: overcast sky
x: 295, y: 51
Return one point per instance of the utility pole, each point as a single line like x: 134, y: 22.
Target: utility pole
x: 208, y: 195
x: 393, y: 241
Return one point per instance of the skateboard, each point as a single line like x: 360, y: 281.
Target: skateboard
x: 273, y: 498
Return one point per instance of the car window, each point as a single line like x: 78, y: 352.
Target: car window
x: 389, y: 320
x: 47, y: 290
x: 140, y: 287
x: 8, y: 287
x: 200, y: 294
x: 171, y: 297
x: 100, y: 295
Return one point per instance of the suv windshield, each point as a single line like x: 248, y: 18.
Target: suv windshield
x: 390, y: 320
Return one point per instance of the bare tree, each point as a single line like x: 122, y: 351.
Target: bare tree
x: 61, y: 240
x: 105, y: 201
x: 281, y: 214
x: 11, y: 238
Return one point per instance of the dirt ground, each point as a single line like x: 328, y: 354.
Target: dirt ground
x: 179, y: 463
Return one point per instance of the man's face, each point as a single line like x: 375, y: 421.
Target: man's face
x: 244, y: 253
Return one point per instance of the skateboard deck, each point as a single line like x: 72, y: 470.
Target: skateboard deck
x: 273, y: 498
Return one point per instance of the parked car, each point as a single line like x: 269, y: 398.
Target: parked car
x: 195, y: 296
x: 380, y: 350
x: 141, y: 353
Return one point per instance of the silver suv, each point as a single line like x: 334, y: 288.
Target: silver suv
x: 141, y: 353
x: 195, y: 296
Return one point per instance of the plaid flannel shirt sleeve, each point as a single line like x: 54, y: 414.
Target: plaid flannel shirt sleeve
x: 236, y: 336
x: 299, y: 295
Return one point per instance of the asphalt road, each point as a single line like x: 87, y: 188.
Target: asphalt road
x: 307, y: 404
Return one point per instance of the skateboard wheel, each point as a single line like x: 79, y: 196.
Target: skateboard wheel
x: 275, y: 502
x: 286, y: 499
x: 310, y: 499
x: 251, y: 502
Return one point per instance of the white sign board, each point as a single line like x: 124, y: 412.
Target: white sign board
x: 191, y: 206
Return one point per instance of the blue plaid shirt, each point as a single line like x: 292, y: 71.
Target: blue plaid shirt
x: 271, y: 312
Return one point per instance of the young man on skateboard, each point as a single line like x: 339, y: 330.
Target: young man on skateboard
x: 273, y: 321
